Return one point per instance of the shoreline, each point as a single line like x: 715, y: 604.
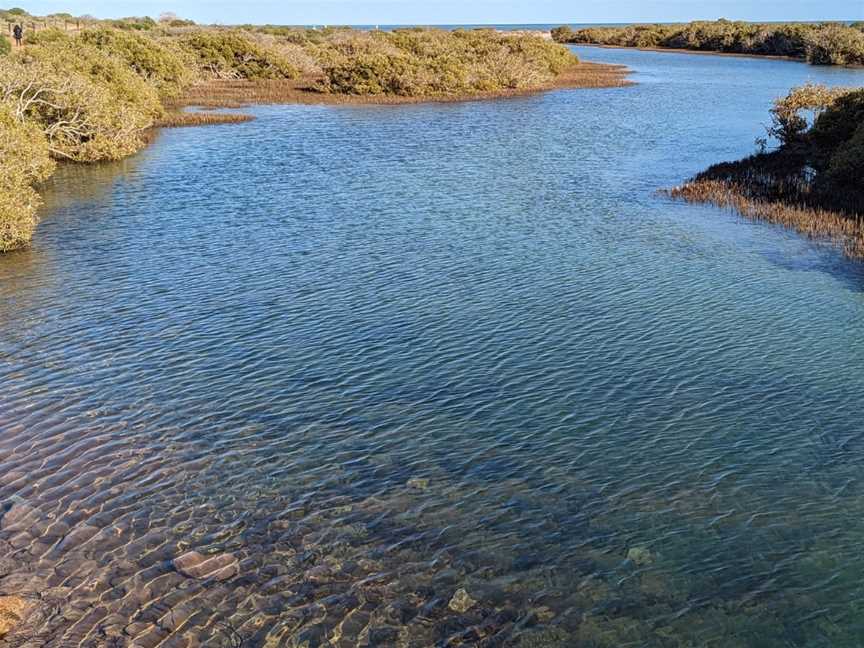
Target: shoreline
x: 241, y: 93
x: 817, y: 224
x: 237, y: 94
x: 682, y: 50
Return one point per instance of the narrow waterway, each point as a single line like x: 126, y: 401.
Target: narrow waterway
x: 447, y: 374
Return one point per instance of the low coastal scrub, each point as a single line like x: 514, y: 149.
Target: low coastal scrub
x: 89, y: 105
x: 91, y: 95
x: 414, y: 62
x: 812, y: 182
x: 820, y: 44
x: 26, y: 161
x: 158, y: 61
x: 233, y: 55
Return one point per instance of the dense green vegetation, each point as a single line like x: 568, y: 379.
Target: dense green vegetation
x: 25, y: 159
x: 822, y: 44
x: 91, y: 95
x: 836, y: 141
x: 233, y: 55
x: 820, y: 161
x: 416, y: 62
x: 813, y: 182
x: 159, y: 62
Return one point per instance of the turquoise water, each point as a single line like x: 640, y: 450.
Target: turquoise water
x: 380, y: 355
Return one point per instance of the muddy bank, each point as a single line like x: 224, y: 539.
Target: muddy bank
x: 238, y: 93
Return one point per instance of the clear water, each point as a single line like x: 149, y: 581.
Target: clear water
x: 639, y: 420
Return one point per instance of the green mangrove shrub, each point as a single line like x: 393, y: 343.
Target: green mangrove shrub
x: 789, y: 114
x: 429, y: 62
x: 72, y: 98
x: 834, y: 44
x: 817, y: 168
x: 159, y: 62
x: 822, y: 129
x: 820, y: 44
x: 233, y: 55
x: 89, y: 105
x: 26, y: 161
x: 837, y: 143
x: 846, y: 164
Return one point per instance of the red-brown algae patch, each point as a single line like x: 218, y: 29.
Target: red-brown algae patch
x: 13, y: 610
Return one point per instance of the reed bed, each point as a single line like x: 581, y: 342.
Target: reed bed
x: 812, y: 182
x: 184, y: 119
x: 842, y: 229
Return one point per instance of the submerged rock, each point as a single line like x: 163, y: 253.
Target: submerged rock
x: 217, y: 567
x: 320, y: 574
x: 78, y: 536
x: 20, y: 517
x: 640, y: 556
x: 544, y: 613
x: 462, y: 602
x: 13, y: 610
x: 418, y: 483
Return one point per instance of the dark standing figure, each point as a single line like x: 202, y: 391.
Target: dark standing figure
x: 18, y: 32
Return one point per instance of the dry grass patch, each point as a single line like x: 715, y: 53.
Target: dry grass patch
x: 183, y: 119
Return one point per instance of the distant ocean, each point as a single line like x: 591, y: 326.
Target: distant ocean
x: 545, y: 26
x: 502, y: 27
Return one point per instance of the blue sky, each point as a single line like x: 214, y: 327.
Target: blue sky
x: 305, y: 12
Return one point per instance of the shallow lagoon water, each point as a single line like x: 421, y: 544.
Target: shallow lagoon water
x: 383, y: 354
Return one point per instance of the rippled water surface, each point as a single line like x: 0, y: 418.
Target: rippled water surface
x: 436, y: 375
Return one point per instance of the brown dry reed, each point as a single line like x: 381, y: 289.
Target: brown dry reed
x: 847, y: 232
x: 184, y: 119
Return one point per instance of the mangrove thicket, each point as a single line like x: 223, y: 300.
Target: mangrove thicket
x: 91, y: 95
x: 827, y: 43
x: 813, y: 181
